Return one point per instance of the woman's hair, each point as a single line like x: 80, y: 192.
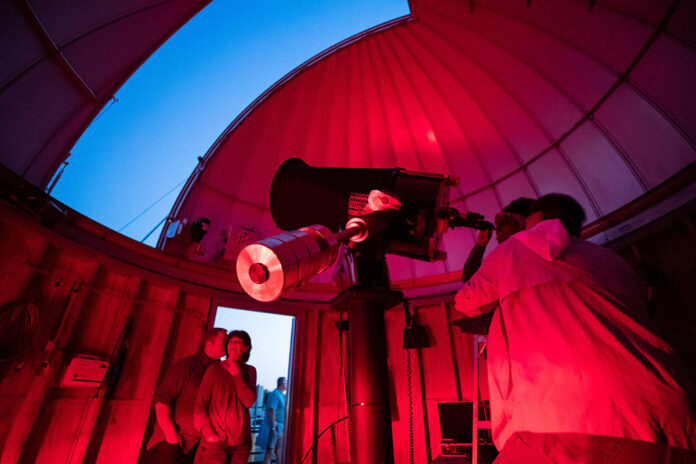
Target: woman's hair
x: 243, y: 336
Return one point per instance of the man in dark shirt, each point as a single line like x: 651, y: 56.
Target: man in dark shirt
x: 175, y: 436
x: 221, y: 413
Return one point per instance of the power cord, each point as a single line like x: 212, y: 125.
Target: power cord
x: 410, y: 409
x: 410, y: 342
x: 319, y: 436
x: 346, y: 377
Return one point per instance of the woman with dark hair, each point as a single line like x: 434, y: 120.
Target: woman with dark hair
x: 227, y: 391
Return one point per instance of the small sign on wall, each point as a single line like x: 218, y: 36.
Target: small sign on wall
x: 85, y: 371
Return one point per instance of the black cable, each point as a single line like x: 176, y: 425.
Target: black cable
x: 410, y: 408
x: 319, y: 436
x: 151, y: 206
x: 409, y: 325
x: 342, y: 371
x: 154, y: 229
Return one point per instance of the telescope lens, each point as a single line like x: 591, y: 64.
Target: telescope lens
x: 266, y: 268
x: 258, y: 273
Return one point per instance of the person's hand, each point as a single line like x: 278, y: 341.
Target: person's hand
x: 212, y: 438
x: 172, y: 437
x: 483, y: 237
x: 233, y: 368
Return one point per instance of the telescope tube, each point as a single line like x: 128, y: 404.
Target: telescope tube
x: 267, y: 268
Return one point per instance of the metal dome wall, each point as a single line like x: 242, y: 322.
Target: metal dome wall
x: 593, y: 99
x: 514, y: 99
x: 62, y: 62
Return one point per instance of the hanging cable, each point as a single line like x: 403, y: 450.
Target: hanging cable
x: 112, y: 101
x: 346, y: 373
x: 411, y: 453
x: 342, y: 371
x: 153, y: 229
x: 58, y: 175
x: 409, y: 325
x: 344, y: 276
x: 152, y: 205
x: 316, y: 440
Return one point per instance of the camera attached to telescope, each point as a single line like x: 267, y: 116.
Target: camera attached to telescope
x: 376, y: 211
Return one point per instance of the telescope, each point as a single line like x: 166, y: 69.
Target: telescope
x: 372, y: 211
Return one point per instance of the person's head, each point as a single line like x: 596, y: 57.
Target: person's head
x: 282, y: 384
x: 511, y: 219
x: 238, y: 346
x: 557, y: 206
x: 214, y: 343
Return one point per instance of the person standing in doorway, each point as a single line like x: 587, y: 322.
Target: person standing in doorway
x: 274, y: 422
x: 227, y: 391
x: 175, y: 437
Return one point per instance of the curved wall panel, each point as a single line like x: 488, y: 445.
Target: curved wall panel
x: 62, y: 62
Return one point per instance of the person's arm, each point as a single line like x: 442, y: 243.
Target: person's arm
x: 167, y: 393
x: 473, y: 261
x: 270, y: 415
x: 271, y: 406
x: 201, y: 417
x: 246, y: 391
x: 480, y: 294
x: 163, y: 413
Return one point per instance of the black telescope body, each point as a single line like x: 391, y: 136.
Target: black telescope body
x: 302, y: 194
x: 378, y: 211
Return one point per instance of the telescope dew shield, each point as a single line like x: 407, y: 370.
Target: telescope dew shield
x: 302, y: 194
x: 268, y: 267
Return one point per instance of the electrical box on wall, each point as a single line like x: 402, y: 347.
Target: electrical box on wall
x: 85, y: 371
x: 234, y: 239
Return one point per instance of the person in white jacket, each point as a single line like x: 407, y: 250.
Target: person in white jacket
x: 575, y: 374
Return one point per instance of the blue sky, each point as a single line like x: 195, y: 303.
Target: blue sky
x: 174, y: 107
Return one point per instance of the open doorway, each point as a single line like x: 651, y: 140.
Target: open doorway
x: 271, y: 340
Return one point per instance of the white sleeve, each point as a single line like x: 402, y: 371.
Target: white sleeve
x: 480, y: 294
